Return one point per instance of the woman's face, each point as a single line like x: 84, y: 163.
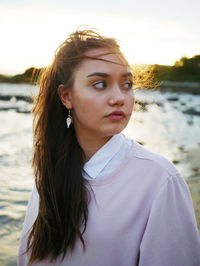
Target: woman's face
x: 102, y: 98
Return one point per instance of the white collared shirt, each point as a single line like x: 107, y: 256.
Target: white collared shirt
x: 108, y: 157
x: 139, y: 199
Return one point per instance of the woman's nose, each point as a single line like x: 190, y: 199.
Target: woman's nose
x: 117, y: 96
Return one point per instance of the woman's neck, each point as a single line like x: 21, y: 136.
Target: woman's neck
x: 91, y: 145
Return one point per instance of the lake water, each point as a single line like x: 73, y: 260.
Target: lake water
x: 167, y: 123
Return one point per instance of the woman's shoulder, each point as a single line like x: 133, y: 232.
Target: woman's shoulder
x: 154, y: 172
x: 151, y: 160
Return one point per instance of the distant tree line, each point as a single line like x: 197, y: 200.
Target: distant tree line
x: 29, y: 76
x: 185, y: 69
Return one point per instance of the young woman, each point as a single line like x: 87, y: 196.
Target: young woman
x: 100, y: 198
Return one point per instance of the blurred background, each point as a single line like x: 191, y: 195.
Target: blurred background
x: 161, y: 34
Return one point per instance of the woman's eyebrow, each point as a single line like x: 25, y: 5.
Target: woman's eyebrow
x: 101, y: 74
x: 128, y: 74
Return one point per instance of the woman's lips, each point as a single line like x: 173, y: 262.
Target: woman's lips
x: 116, y: 115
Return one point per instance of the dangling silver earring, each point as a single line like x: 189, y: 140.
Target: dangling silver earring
x: 69, y: 119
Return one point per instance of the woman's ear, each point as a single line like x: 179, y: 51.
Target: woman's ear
x: 65, y: 96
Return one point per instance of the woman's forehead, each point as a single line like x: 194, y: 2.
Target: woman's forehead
x: 90, y: 66
x: 103, y: 60
x: 107, y: 55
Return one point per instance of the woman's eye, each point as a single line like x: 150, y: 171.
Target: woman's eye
x: 128, y: 85
x: 99, y: 84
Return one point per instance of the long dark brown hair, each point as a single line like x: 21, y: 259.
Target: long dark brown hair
x: 58, y: 158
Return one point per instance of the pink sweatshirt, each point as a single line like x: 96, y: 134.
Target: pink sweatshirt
x: 142, y: 215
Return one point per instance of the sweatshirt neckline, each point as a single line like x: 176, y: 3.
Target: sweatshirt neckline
x: 114, y: 175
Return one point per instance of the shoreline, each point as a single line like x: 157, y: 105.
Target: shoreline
x: 192, y: 87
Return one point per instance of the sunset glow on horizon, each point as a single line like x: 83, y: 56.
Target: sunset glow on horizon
x: 31, y: 33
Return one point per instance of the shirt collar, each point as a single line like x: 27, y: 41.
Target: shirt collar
x: 101, y: 158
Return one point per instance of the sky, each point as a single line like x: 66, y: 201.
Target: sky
x: 149, y: 32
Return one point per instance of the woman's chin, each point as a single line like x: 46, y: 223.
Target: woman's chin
x: 113, y: 131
